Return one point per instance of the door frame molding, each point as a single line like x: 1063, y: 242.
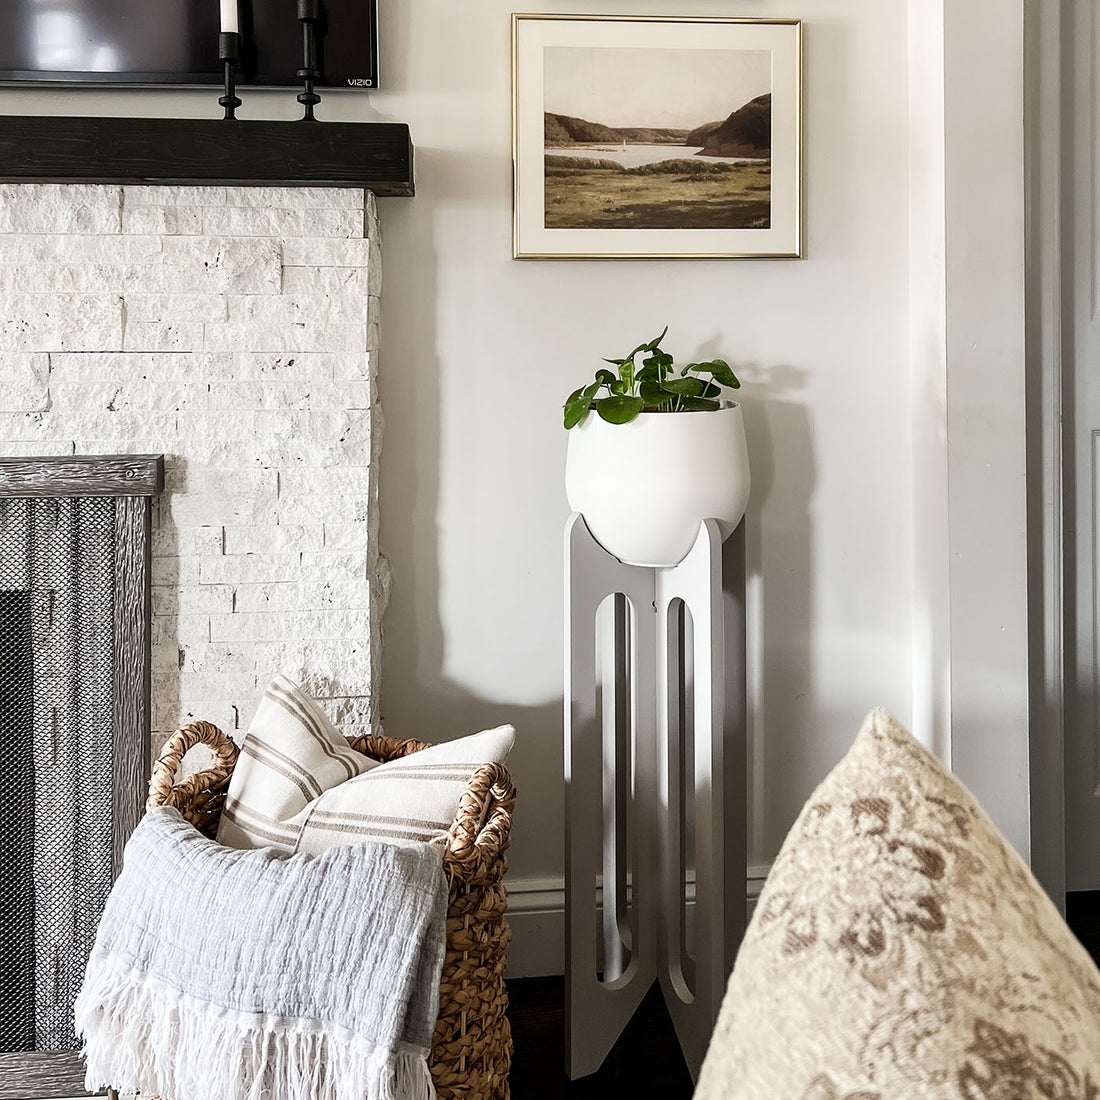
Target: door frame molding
x: 987, y: 401
x: 1047, y: 391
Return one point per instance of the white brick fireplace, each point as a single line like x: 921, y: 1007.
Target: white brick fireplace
x: 234, y: 330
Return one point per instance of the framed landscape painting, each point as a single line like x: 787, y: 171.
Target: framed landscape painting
x: 656, y: 137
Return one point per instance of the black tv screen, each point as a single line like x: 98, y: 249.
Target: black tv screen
x: 176, y: 42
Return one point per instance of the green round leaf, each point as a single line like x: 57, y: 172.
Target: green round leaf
x: 653, y: 343
x: 684, y: 387
x: 603, y: 376
x: 654, y: 396
x: 719, y: 369
x: 724, y: 375
x: 660, y: 362
x: 620, y: 409
x: 576, y: 408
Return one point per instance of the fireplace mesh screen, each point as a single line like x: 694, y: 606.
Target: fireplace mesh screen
x: 56, y: 734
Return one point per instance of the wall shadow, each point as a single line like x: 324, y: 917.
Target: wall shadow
x: 418, y: 698
x: 779, y: 557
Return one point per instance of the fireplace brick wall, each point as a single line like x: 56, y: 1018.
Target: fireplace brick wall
x: 235, y: 330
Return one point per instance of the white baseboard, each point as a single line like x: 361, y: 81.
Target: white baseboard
x: 536, y: 912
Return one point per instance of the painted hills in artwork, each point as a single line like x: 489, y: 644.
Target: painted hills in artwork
x: 566, y: 130
x: 745, y: 133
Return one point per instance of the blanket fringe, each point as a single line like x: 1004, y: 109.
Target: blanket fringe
x: 140, y: 1036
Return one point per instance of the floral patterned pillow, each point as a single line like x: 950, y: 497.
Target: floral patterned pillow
x: 902, y: 950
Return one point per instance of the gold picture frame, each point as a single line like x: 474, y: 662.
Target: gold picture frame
x: 602, y: 106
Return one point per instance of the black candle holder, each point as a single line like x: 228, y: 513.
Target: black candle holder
x: 229, y: 49
x: 308, y: 15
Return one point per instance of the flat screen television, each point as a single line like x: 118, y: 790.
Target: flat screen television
x: 176, y: 42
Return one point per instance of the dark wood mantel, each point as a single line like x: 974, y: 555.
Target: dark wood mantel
x: 377, y: 156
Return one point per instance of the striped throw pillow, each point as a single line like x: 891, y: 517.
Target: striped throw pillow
x: 412, y: 800
x: 291, y: 754
x: 299, y: 787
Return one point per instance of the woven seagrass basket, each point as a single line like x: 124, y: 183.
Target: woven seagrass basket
x: 472, y: 1046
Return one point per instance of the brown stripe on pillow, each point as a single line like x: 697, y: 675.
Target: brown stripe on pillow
x: 408, y: 765
x: 376, y: 819
x: 283, y: 764
x: 436, y: 777
x: 295, y: 705
x: 275, y: 832
x: 382, y: 832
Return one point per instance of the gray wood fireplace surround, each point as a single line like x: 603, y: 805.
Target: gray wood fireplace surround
x: 74, y: 734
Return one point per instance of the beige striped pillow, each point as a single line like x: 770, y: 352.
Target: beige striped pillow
x: 299, y: 787
x: 412, y: 800
x: 291, y: 754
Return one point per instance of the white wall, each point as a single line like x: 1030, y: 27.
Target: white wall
x: 885, y: 405
x: 478, y: 352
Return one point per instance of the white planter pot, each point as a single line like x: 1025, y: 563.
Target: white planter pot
x: 644, y: 487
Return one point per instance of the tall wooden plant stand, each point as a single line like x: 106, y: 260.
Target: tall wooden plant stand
x: 655, y: 738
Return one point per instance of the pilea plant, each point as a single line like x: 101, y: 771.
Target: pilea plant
x: 652, y: 387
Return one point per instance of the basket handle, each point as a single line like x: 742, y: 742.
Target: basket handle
x: 385, y: 748
x: 163, y: 789
x: 482, y: 827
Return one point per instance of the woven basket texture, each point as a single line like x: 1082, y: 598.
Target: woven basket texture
x: 472, y: 1046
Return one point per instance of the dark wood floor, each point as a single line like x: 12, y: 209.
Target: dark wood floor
x: 1083, y: 916
x: 645, y: 1062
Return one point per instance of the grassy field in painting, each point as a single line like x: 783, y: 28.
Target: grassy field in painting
x: 583, y: 193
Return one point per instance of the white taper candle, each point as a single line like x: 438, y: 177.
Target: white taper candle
x: 230, y: 18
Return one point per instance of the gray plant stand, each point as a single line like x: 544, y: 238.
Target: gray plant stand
x: 655, y: 719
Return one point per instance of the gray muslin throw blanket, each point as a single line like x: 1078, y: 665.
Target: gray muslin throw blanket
x: 256, y: 975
